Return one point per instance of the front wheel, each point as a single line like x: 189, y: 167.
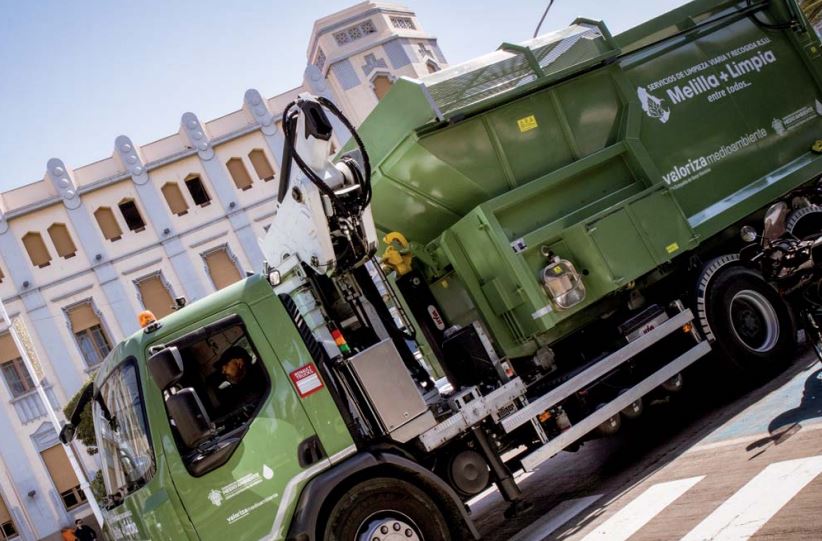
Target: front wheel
x: 386, y: 509
x: 751, y: 323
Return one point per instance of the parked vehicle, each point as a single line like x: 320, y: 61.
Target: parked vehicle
x: 561, y: 227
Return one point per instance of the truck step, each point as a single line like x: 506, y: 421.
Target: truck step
x: 558, y: 394
x: 614, y: 407
x: 472, y: 413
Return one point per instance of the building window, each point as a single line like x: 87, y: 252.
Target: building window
x: 14, y: 370
x: 355, y: 32
x: 2, y: 276
x: 432, y: 66
x: 7, y: 528
x: 88, y: 330
x: 406, y: 23
x: 108, y: 224
x: 131, y: 215
x: 36, y: 248
x: 174, y: 198
x: 155, y: 295
x: 319, y: 60
x: 382, y: 84
x: 197, y: 191
x: 239, y: 173
x: 63, y: 477
x: 221, y: 268
x: 261, y: 164
x: 61, y: 238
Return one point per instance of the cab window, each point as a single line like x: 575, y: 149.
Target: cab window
x: 223, y: 368
x: 120, y: 423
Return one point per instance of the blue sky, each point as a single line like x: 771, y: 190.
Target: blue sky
x: 75, y: 75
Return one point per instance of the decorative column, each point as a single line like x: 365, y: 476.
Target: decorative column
x: 257, y: 107
x: 93, y: 245
x: 194, y: 132
x: 159, y: 218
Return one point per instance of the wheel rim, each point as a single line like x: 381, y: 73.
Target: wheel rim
x: 754, y: 321
x: 388, y: 526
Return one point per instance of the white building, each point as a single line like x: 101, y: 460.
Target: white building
x: 85, y: 249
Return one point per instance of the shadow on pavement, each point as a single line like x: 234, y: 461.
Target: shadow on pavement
x: 788, y: 423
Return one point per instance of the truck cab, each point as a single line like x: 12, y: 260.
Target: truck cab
x: 211, y: 453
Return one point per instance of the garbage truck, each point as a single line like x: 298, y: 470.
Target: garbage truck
x: 510, y: 256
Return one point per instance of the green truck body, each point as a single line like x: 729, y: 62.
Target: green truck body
x: 619, y: 154
x: 634, y: 157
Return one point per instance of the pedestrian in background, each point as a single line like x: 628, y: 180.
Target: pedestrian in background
x: 83, y: 532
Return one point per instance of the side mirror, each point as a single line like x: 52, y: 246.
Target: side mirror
x: 166, y: 367
x: 67, y: 433
x: 189, y: 416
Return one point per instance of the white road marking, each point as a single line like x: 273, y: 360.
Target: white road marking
x: 628, y: 520
x: 519, y: 477
x: 741, y: 515
x: 555, y: 518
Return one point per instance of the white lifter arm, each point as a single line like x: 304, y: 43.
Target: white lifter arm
x: 323, y: 220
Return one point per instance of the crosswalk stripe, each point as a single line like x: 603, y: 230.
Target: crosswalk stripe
x: 555, y: 518
x: 628, y: 520
x: 741, y: 515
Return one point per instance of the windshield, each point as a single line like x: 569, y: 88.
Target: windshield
x: 122, y: 437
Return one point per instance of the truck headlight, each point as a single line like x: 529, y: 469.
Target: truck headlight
x: 563, y: 283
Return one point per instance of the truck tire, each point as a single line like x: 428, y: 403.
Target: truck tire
x: 805, y: 222
x: 750, y: 322
x: 383, y: 509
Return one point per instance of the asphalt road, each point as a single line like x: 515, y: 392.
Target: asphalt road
x: 714, y: 462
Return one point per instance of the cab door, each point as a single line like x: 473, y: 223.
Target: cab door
x: 238, y: 486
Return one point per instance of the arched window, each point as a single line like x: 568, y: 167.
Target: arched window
x: 36, y: 248
x: 89, y: 333
x: 61, y: 238
x: 239, y: 173
x: 261, y: 165
x: 221, y: 267
x: 432, y: 66
x: 131, y: 215
x: 174, y: 198
x: 108, y: 224
x: 382, y: 84
x: 197, y: 191
x: 155, y: 295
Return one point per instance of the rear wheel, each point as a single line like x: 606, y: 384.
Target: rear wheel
x: 386, y: 509
x: 750, y: 322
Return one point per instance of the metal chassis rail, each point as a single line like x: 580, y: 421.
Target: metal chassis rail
x: 554, y: 396
x: 612, y: 408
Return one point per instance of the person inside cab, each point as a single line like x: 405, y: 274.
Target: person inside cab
x: 240, y: 388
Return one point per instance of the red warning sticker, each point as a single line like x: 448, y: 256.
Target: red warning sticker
x: 306, y: 380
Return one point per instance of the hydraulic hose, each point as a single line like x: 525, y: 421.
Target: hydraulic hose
x: 289, y: 152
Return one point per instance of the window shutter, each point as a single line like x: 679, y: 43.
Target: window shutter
x: 8, y: 351
x: 239, y: 173
x: 382, y: 85
x: 108, y: 224
x: 82, y: 317
x: 174, y: 197
x: 59, y: 468
x: 261, y: 165
x: 36, y: 248
x: 155, y: 296
x: 61, y: 238
x: 221, y: 268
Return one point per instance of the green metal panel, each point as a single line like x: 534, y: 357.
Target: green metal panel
x: 619, y: 154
